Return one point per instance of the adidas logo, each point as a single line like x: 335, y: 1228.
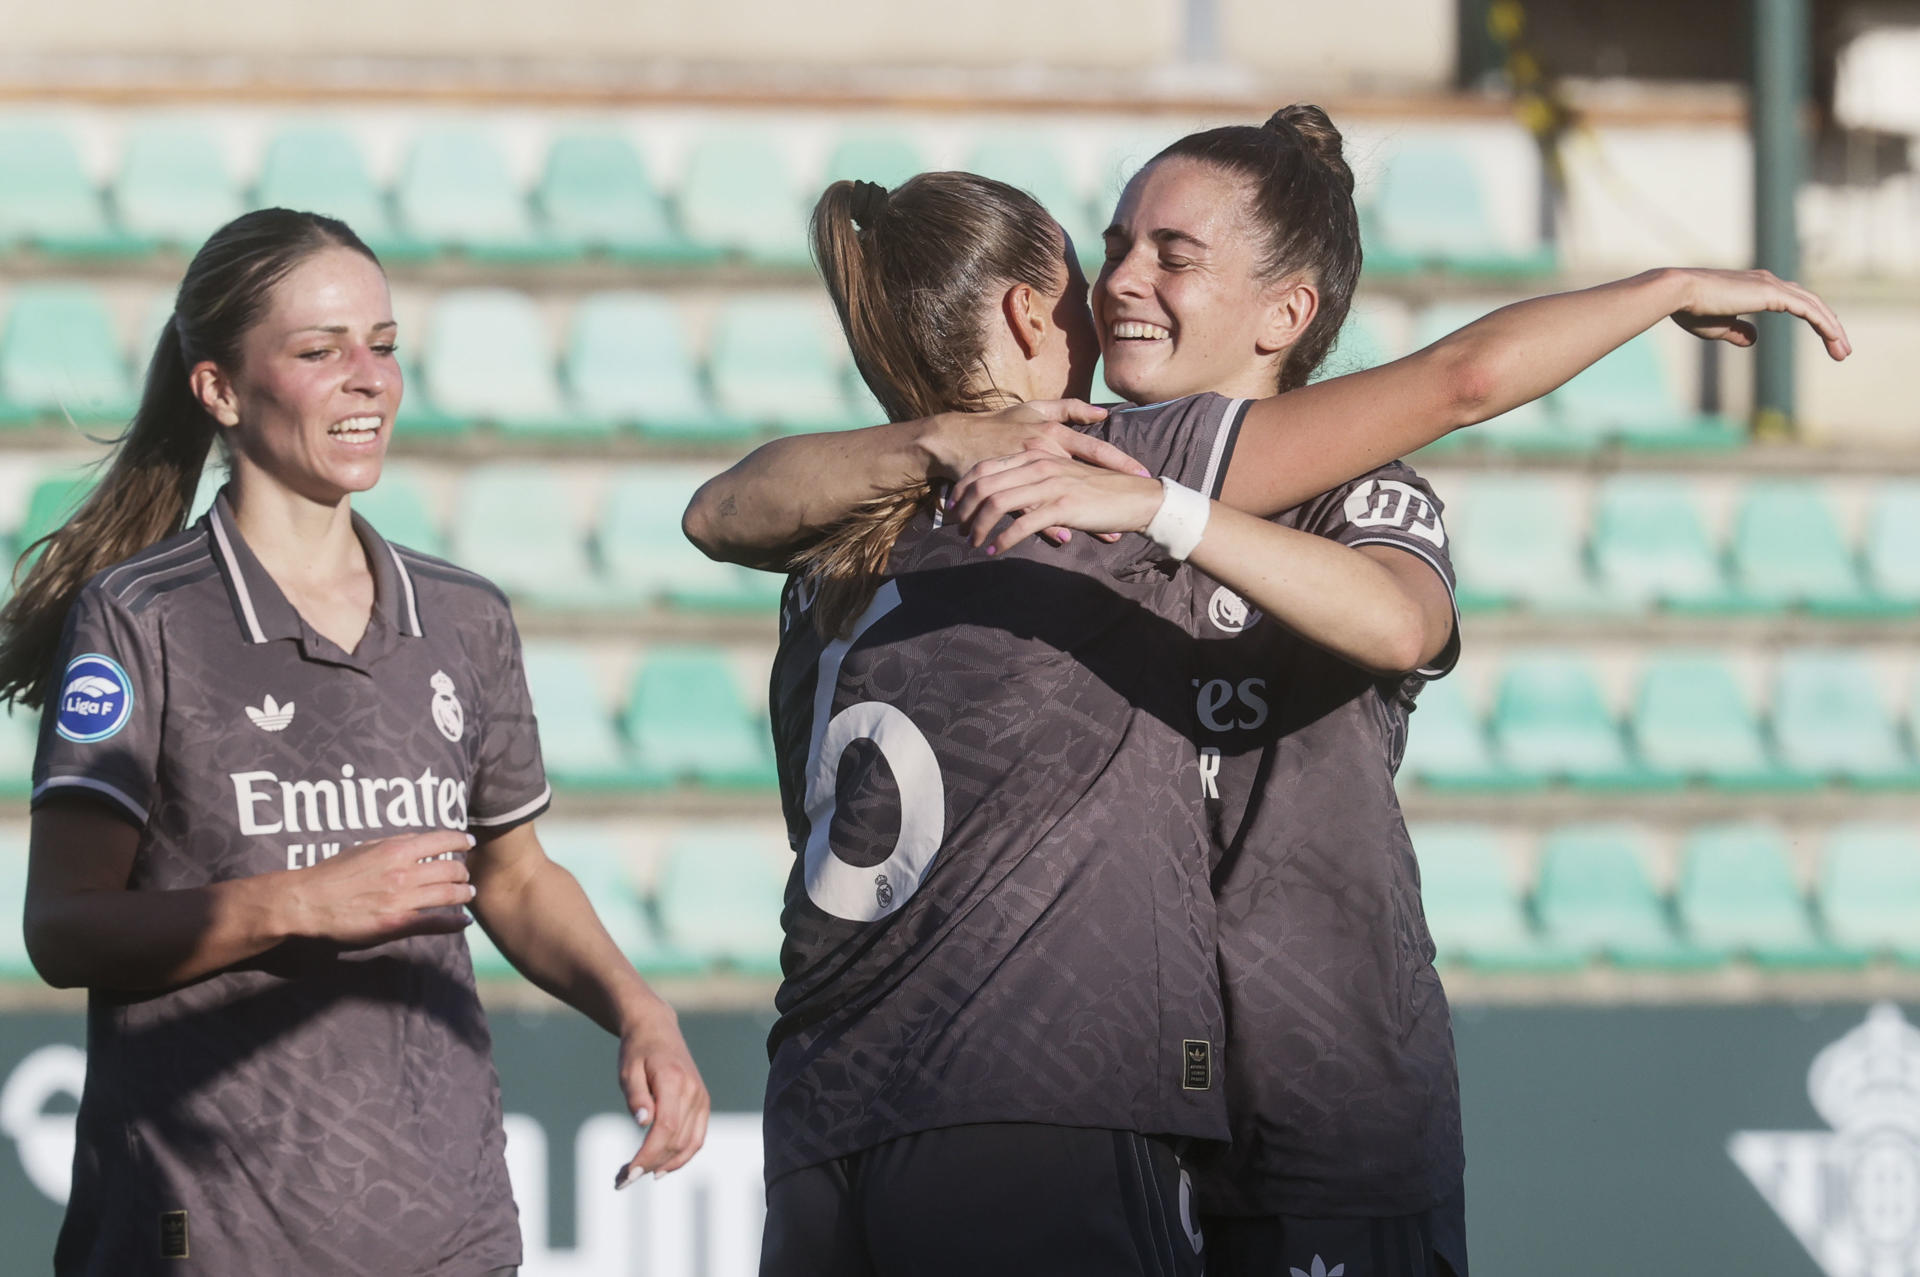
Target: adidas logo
x: 1319, y: 1269
x: 271, y: 717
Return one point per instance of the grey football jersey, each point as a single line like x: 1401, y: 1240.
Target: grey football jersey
x: 999, y: 910
x: 311, y: 1110
x: 1340, y: 1067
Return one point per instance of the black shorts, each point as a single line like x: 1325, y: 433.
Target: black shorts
x: 1007, y: 1199
x: 1430, y: 1244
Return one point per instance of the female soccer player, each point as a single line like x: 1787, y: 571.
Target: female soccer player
x: 1230, y: 264
x: 264, y: 741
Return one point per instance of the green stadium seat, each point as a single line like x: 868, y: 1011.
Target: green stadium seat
x: 1549, y: 721
x: 488, y: 962
x: 489, y: 357
x: 400, y: 512
x: 19, y: 739
x: 1627, y: 396
x: 722, y: 890
x: 1518, y: 540
x: 318, y: 168
x: 738, y: 196
x: 578, y: 740
x: 1893, y: 543
x: 597, y: 195
x: 455, y: 193
x: 524, y: 527
x: 1692, y: 722
x: 1530, y: 428
x: 419, y: 417
x: 52, y: 501
x: 1431, y: 213
x: 886, y: 156
x: 14, y: 962
x: 649, y: 561
x: 1474, y: 912
x: 59, y: 355
x: 1358, y: 348
x: 1788, y: 550
x: 47, y: 199
x: 1037, y: 166
x: 1650, y: 545
x: 1595, y: 895
x: 628, y: 365
x: 1447, y: 746
x: 597, y: 861
x: 687, y: 722
x: 772, y: 368
x: 1831, y: 720
x: 1870, y: 888
x: 174, y: 185
x: 1737, y: 894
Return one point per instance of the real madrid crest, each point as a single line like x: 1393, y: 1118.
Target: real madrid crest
x: 1229, y: 612
x: 447, y: 714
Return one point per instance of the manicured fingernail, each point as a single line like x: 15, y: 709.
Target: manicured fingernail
x: 472, y: 842
x: 643, y: 1116
x: 1065, y: 537
x: 659, y: 1174
x: 624, y: 1178
x: 992, y: 550
x: 1144, y: 473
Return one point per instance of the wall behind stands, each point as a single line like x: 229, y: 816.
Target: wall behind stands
x: 1408, y: 43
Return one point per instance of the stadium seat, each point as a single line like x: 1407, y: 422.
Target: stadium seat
x: 19, y: 739
x: 1531, y: 428
x: 1737, y: 894
x: 721, y: 893
x: 1628, y: 397
x: 1518, y: 540
x: 772, y: 368
x: 14, y: 963
x: 1595, y: 895
x: 525, y: 527
x: 650, y: 561
x: 174, y: 186
x: 578, y: 740
x: 1474, y: 911
x: 1358, y: 348
x: 455, y: 193
x: 1788, y: 550
x: 1893, y: 543
x: 1549, y: 721
x: 1036, y: 166
x: 400, y: 512
x: 1447, y: 746
x: 628, y: 365
x: 1831, y: 720
x: 1430, y: 212
x: 886, y: 156
x: 50, y: 503
x: 1692, y: 722
x: 1650, y: 545
x: 47, y: 199
x: 318, y: 167
x: 59, y: 355
x: 419, y: 417
x: 738, y: 196
x: 597, y: 195
x: 687, y: 722
x: 489, y: 357
x: 1870, y: 888
x: 604, y: 872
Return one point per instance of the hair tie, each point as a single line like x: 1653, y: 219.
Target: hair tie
x: 868, y: 199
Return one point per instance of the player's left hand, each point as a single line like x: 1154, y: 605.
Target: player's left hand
x: 1038, y: 490
x: 665, y: 1095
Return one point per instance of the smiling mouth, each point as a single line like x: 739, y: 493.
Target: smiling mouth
x: 1135, y: 330
x: 355, y: 430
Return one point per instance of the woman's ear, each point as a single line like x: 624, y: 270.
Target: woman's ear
x: 1025, y: 312
x: 1291, y: 306
x: 215, y: 392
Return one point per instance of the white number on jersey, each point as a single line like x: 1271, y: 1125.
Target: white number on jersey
x: 850, y: 891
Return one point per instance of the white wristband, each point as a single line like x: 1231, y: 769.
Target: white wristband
x: 1181, y: 520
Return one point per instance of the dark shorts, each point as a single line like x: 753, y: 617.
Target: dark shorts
x: 1007, y: 1199
x: 1430, y: 1244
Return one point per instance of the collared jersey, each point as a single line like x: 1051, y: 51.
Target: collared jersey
x: 999, y: 909
x: 311, y: 1110
x: 1340, y: 1066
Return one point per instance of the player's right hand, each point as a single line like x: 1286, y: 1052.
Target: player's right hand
x: 386, y: 890
x: 1717, y: 298
x: 957, y: 442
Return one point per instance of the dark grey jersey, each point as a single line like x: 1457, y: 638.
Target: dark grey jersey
x: 1340, y: 1068
x: 312, y: 1110
x: 999, y: 910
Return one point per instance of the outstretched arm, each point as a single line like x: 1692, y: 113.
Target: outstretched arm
x: 1300, y: 444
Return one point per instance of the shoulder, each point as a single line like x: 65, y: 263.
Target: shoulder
x: 440, y: 583
x: 158, y: 575
x: 1189, y: 410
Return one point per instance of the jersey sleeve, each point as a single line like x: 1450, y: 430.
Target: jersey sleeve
x: 510, y: 783
x: 1392, y: 506
x: 100, y: 727
x: 1189, y: 441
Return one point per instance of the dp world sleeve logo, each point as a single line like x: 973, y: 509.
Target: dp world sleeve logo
x: 96, y: 699
x: 1852, y: 1194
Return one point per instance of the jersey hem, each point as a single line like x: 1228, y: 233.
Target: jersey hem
x: 519, y: 815
x: 1439, y: 669
x: 119, y: 797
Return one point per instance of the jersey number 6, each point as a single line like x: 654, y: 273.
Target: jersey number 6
x: 850, y: 891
